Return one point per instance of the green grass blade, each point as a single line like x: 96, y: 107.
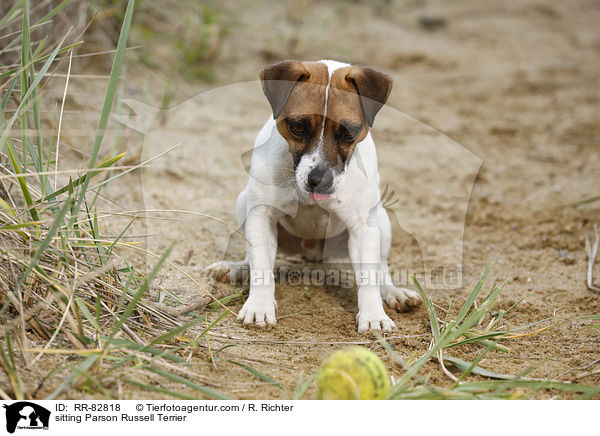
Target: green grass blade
x: 223, y: 301
x: 8, y: 360
x: 25, y: 76
x: 433, y: 320
x: 133, y: 168
x: 119, y: 236
x: 85, y: 365
x: 12, y: 14
x: 17, y: 71
x: 473, y: 296
x: 22, y: 182
x: 197, y: 387
x: 7, y: 209
x: 257, y: 373
x: 303, y: 386
x: 162, y: 338
x: 9, y: 91
x: 140, y: 292
x: 95, y: 382
x: 7, y: 128
x: 58, y: 221
x: 82, y: 306
x: 139, y: 348
x: 108, y: 162
x: 44, y: 19
x: 205, y: 331
x: 535, y: 385
x: 158, y: 389
x: 473, y: 368
x: 109, y: 99
x: 55, y: 11
x: 20, y: 225
x: 579, y: 203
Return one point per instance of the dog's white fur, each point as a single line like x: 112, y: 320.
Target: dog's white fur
x: 276, y: 194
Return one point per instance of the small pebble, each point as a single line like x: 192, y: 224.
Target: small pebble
x: 432, y: 23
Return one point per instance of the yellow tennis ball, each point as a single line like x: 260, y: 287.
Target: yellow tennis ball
x: 353, y: 374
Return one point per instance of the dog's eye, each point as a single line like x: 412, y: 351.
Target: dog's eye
x: 349, y: 134
x: 297, y: 128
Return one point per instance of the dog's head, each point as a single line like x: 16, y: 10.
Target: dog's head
x: 323, y: 109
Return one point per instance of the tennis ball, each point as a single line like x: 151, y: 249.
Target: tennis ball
x: 353, y: 374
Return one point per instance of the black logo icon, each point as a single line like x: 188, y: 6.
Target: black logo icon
x: 24, y: 414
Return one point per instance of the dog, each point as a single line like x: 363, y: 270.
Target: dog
x: 314, y: 187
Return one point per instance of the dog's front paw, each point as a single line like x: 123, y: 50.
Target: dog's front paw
x: 401, y: 299
x: 374, y: 320
x: 258, y: 312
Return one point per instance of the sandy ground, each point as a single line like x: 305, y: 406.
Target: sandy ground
x: 492, y: 124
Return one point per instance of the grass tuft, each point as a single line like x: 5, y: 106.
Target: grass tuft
x: 63, y: 283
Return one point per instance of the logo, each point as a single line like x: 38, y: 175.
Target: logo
x: 26, y: 415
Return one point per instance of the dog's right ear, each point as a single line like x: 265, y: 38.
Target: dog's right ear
x: 279, y: 79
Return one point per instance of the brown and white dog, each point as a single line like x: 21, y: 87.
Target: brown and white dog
x: 314, y: 179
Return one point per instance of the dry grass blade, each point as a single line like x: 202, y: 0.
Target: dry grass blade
x: 591, y: 250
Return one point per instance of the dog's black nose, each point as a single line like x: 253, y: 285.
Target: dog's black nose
x: 320, y: 180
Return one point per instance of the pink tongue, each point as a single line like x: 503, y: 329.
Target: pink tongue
x: 318, y: 197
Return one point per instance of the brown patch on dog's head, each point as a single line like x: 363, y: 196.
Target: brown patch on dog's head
x: 373, y: 89
x: 296, y: 92
x: 355, y: 96
x: 279, y: 79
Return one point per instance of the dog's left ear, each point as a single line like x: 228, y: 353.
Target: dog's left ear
x: 373, y: 89
x: 279, y: 79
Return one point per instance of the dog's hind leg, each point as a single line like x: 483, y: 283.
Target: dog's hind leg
x: 401, y: 299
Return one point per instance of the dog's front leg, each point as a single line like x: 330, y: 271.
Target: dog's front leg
x: 261, y: 233
x: 363, y: 245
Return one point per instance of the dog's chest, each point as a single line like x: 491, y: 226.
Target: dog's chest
x: 313, y: 222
